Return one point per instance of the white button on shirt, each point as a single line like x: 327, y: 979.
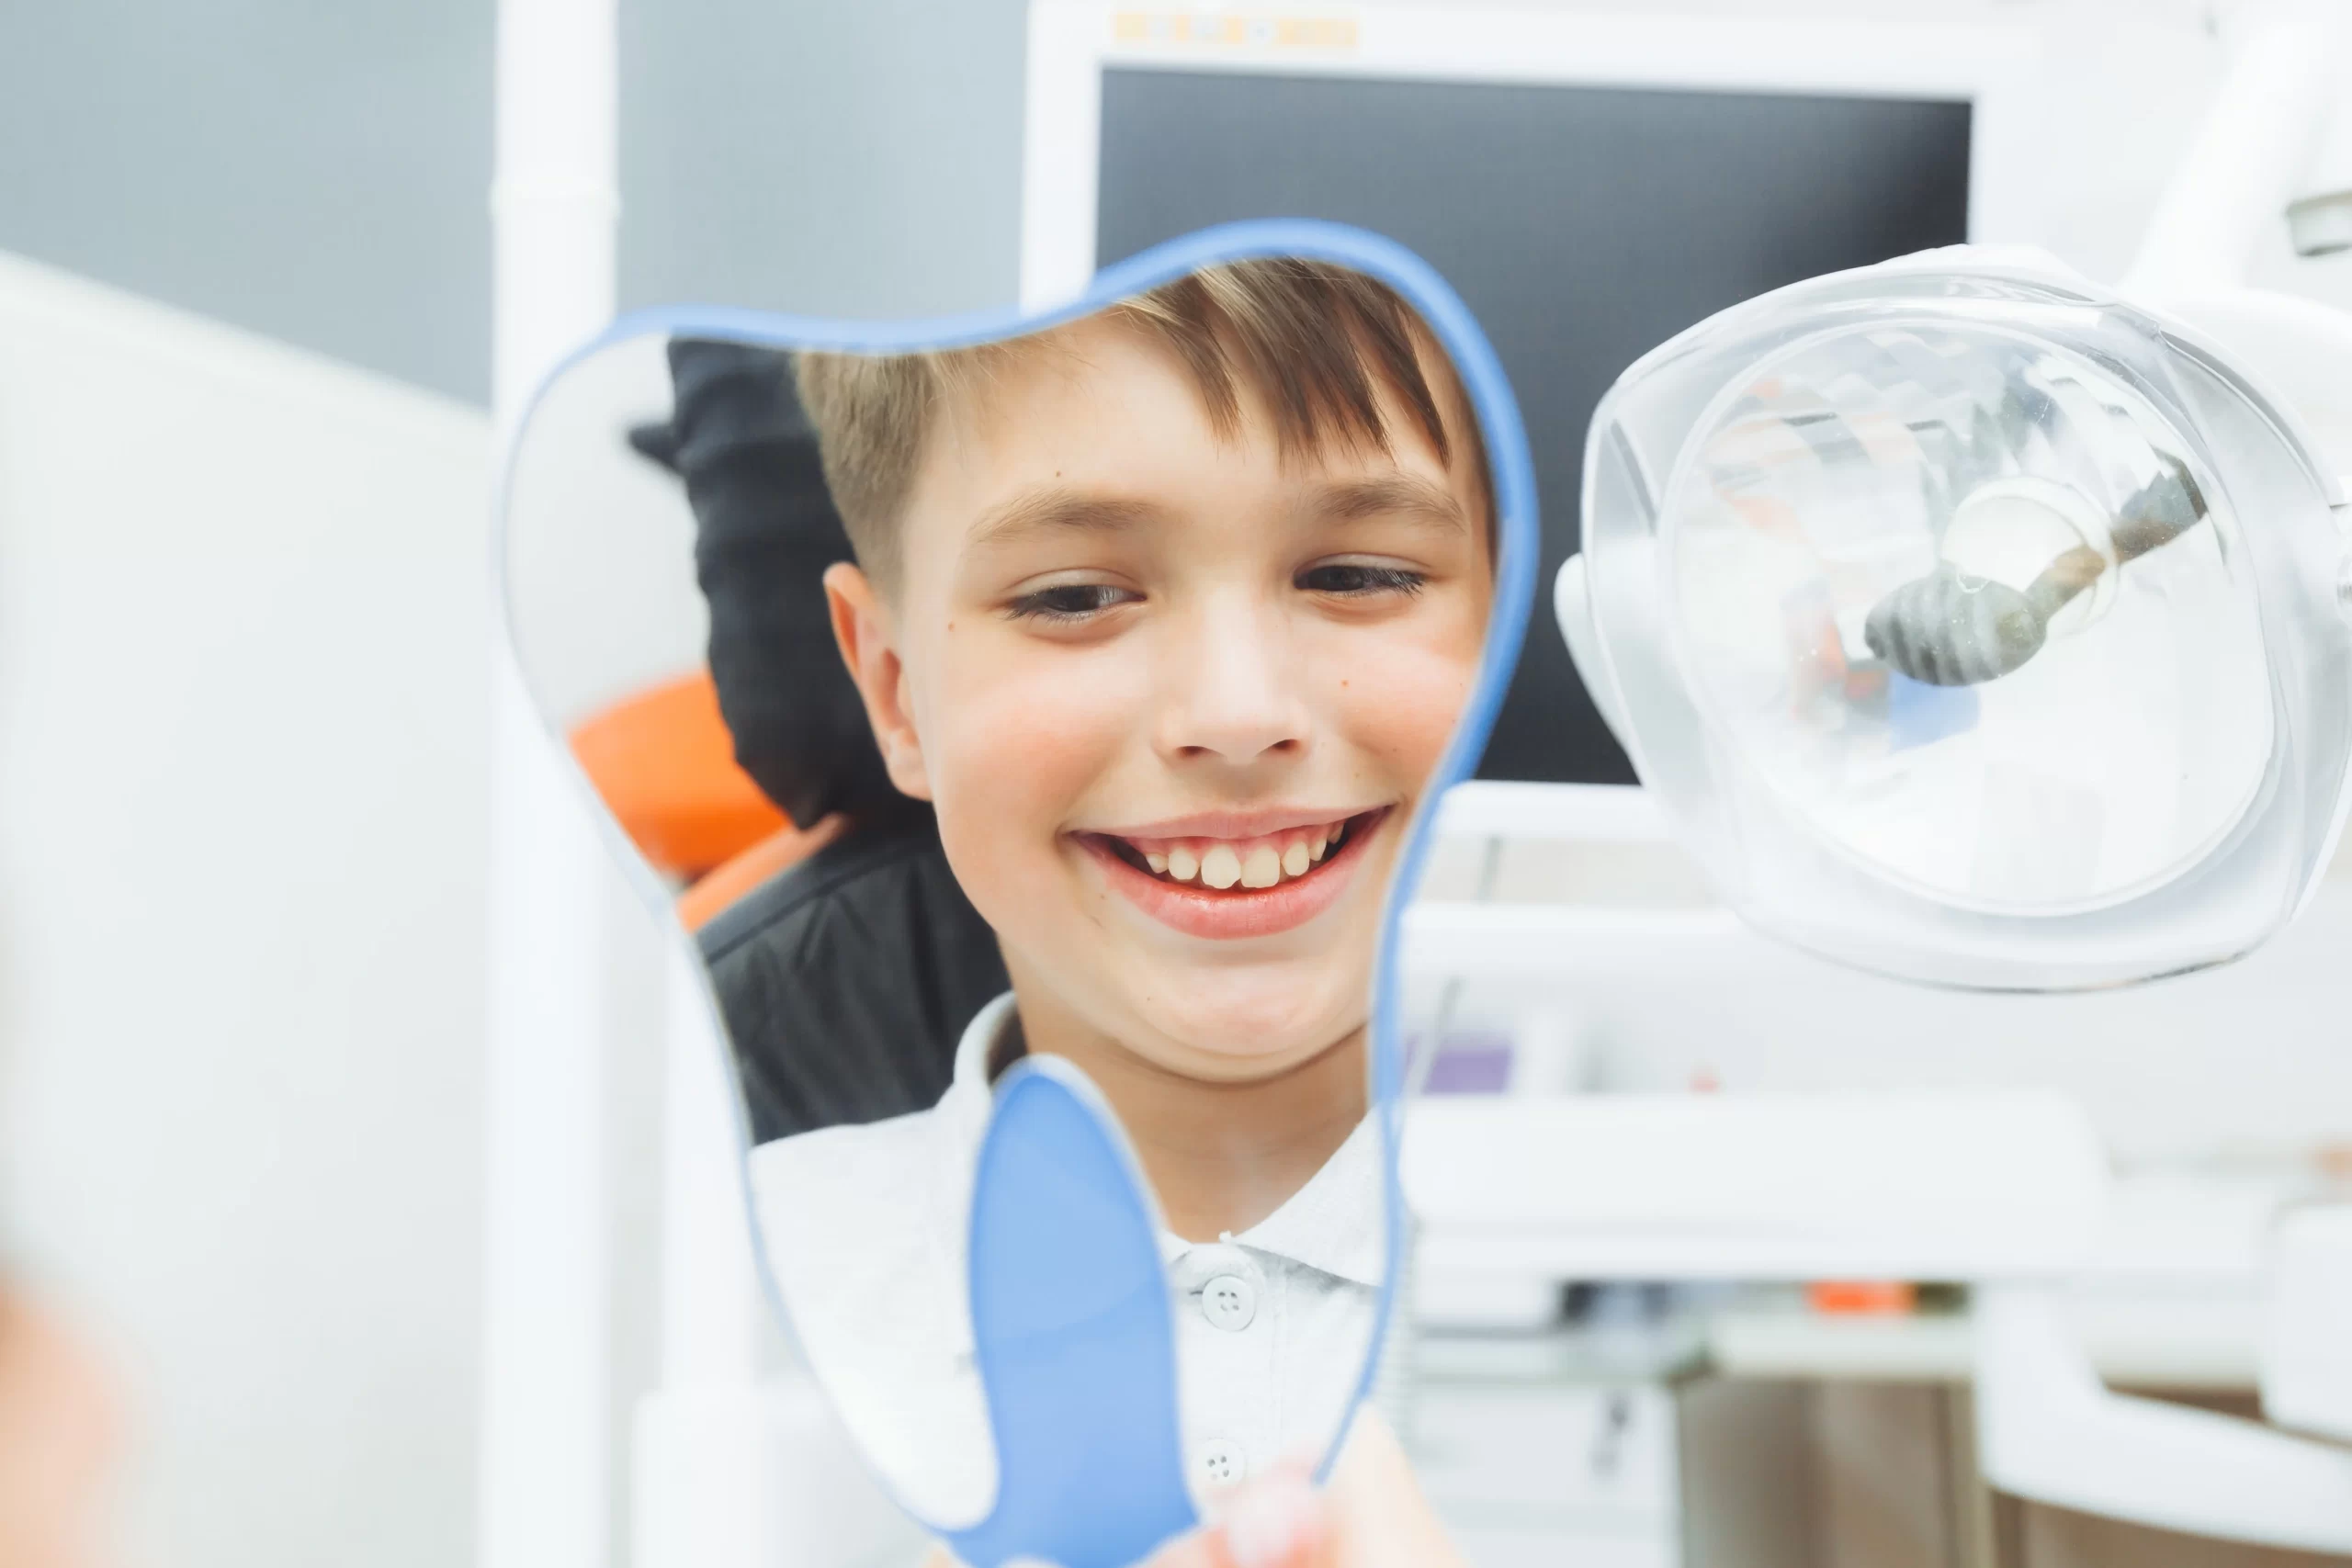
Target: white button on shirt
x: 866, y: 1230
x: 1230, y: 1301
x: 1218, y: 1464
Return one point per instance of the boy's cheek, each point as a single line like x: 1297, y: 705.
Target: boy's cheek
x: 1010, y: 766
x: 1052, y: 722
x: 1403, y: 708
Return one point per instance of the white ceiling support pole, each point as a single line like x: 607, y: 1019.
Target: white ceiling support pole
x: 546, y: 1430
x: 2250, y: 155
x: 555, y: 196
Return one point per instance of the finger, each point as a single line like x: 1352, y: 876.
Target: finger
x: 1276, y: 1521
x: 1381, y: 1518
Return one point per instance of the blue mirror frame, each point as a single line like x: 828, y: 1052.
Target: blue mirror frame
x: 1058, y: 1414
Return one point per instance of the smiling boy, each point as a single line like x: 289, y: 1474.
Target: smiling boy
x: 1171, y: 612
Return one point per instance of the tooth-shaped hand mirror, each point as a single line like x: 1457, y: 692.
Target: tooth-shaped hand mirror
x: 1034, y: 722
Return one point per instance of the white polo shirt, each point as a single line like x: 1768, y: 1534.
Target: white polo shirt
x: 866, y: 1229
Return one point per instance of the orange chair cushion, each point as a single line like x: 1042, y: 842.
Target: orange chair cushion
x: 664, y: 763
x: 710, y: 898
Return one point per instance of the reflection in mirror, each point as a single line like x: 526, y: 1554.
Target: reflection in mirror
x: 1064, y: 696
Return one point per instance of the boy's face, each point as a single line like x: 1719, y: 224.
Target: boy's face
x: 1125, y: 652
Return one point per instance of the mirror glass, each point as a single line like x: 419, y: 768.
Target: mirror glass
x: 1069, y: 694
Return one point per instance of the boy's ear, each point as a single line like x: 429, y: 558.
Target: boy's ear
x: 862, y: 630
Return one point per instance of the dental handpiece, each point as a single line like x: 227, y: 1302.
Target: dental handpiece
x: 1952, y: 629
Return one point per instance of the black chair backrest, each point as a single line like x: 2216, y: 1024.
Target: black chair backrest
x: 846, y: 982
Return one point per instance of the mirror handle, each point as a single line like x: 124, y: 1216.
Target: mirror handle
x: 1072, y: 1332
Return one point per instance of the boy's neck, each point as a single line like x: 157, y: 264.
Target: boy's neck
x: 1220, y: 1157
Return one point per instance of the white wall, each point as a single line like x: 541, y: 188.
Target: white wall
x: 858, y: 157
x: 242, y: 813
x: 314, y: 172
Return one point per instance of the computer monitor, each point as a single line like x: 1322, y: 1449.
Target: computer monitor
x: 1590, y: 183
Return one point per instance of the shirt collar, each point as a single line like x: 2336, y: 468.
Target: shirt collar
x: 980, y: 1038
x: 1334, y: 1223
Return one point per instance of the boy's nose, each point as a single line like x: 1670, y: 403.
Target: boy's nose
x: 1232, y: 694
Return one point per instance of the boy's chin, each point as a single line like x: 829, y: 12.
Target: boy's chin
x: 1240, y: 1039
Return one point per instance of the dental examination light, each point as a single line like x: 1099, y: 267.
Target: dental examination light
x: 1980, y: 624
x: 1975, y: 625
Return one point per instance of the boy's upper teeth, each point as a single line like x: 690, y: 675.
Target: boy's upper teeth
x: 1262, y: 861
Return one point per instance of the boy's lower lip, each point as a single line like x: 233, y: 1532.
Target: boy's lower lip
x: 1239, y: 913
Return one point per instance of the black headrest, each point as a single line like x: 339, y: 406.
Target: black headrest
x: 766, y: 529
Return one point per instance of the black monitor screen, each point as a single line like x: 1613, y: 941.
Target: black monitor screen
x: 1583, y: 225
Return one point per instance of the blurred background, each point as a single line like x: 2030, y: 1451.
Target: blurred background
x: 244, y: 480
x: 245, y: 454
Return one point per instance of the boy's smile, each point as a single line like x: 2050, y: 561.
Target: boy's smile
x: 1234, y: 874
x: 1174, y: 694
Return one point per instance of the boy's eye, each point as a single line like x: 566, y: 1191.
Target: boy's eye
x: 1360, y: 578
x: 1068, y: 601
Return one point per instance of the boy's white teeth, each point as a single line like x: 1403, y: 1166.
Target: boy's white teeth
x: 1222, y: 864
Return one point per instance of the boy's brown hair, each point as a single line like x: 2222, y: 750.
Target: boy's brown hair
x: 1317, y: 343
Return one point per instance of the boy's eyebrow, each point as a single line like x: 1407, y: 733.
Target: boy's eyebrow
x: 1391, y: 495
x: 1052, y: 509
